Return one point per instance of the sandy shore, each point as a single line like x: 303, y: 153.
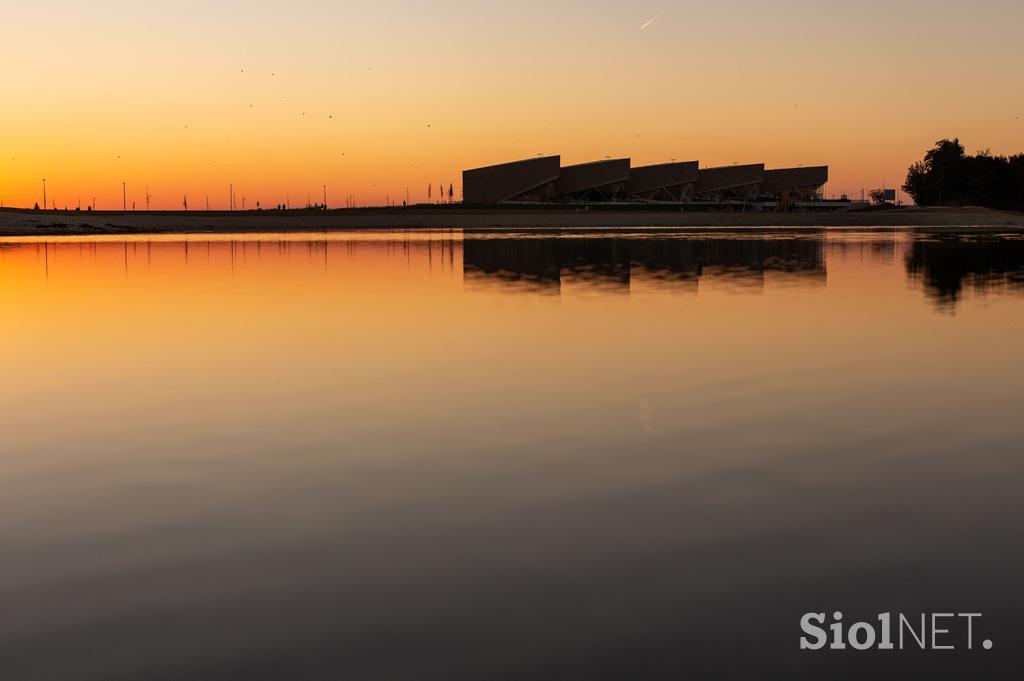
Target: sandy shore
x: 14, y: 222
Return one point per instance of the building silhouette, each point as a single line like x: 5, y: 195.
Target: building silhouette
x: 544, y: 180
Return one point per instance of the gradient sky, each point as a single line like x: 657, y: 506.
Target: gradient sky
x: 371, y: 97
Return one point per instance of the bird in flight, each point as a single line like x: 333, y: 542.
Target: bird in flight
x: 649, y: 22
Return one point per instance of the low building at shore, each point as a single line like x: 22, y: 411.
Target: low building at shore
x: 544, y: 180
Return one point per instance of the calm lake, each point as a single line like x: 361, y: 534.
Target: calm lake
x: 446, y: 455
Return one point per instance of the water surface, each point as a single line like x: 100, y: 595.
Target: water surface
x: 492, y: 456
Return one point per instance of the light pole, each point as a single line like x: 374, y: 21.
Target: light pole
x: 325, y: 197
x: 44, y: 193
x: 124, y: 196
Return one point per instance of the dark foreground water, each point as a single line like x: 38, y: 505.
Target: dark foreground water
x: 455, y: 456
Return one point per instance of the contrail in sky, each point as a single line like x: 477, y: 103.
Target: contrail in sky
x: 650, y: 22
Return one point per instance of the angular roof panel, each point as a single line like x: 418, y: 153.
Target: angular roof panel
x: 651, y: 178
x: 580, y: 178
x: 503, y: 182
x: 729, y: 177
x: 785, y: 179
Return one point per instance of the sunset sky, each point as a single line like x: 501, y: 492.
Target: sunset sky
x: 280, y: 98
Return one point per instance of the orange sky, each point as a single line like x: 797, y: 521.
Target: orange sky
x: 370, y: 98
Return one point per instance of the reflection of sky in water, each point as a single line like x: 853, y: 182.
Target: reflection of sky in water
x: 377, y: 456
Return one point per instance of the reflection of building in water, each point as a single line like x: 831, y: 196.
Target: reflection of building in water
x: 947, y: 264
x: 617, y: 262
x: 880, y: 248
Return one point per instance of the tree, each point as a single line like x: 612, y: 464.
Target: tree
x: 949, y: 177
x: 877, y: 196
x: 940, y: 177
x: 1015, y: 175
x: 451, y: 193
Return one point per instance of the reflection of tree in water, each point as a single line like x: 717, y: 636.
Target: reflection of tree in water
x: 946, y: 264
x: 612, y: 261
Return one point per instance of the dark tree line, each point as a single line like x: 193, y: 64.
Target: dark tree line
x: 949, y: 177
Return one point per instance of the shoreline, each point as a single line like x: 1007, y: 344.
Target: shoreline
x: 19, y: 222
